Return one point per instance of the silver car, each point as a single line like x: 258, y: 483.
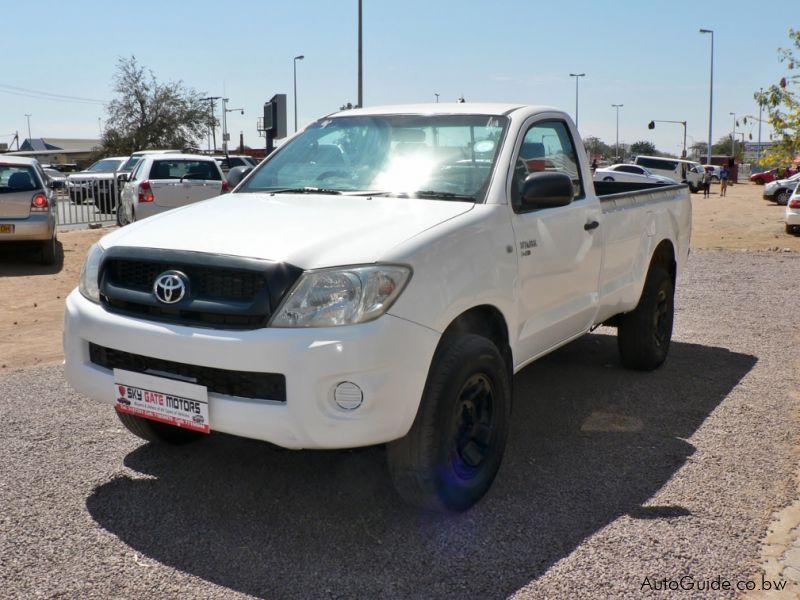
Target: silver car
x: 27, y: 206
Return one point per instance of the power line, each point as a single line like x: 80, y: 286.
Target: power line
x: 19, y: 91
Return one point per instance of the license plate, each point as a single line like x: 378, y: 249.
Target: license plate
x: 177, y: 403
x: 6, y: 229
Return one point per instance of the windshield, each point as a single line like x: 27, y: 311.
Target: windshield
x: 131, y: 163
x: 107, y: 165
x: 436, y: 156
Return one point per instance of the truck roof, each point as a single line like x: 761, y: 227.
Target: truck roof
x: 444, y: 108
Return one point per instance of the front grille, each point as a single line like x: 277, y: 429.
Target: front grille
x: 224, y: 292
x: 244, y: 384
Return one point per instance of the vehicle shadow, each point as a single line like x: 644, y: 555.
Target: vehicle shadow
x: 25, y: 259
x: 590, y: 442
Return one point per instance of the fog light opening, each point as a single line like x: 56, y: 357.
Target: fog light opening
x: 348, y: 396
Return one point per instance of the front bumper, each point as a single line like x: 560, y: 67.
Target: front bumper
x: 387, y: 358
x: 37, y: 227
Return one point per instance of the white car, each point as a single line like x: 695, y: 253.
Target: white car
x: 161, y: 182
x: 631, y: 174
x: 793, y: 213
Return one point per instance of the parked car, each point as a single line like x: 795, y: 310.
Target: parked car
x: 764, y: 177
x: 684, y: 171
x: 377, y: 279
x: 27, y: 206
x: 57, y: 178
x: 631, y: 173
x: 793, y: 212
x: 95, y: 183
x: 161, y: 182
x: 780, y: 190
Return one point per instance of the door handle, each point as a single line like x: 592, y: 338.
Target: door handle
x: 591, y: 225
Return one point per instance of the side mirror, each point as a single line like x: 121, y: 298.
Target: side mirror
x: 123, y: 177
x: 547, y: 190
x: 236, y: 174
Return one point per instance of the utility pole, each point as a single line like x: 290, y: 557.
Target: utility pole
x: 710, y: 94
x: 360, y: 61
x: 760, y: 108
x: 226, y: 136
x: 211, y: 123
x: 617, y: 106
x: 576, y: 76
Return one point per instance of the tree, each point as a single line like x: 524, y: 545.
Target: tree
x: 643, y: 147
x: 148, y: 114
x: 782, y: 103
x: 723, y: 146
x: 596, y: 147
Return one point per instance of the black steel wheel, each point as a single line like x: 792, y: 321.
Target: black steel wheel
x: 644, y: 334
x: 449, y: 458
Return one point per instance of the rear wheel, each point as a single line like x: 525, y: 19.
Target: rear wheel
x: 449, y: 458
x: 154, y: 431
x: 782, y: 197
x: 49, y: 251
x: 644, y: 334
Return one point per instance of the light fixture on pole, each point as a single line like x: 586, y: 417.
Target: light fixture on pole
x: 28, y: 116
x: 437, y: 97
x: 617, y: 106
x: 576, y: 76
x: 296, y: 58
x: 710, y: 93
x: 652, y: 125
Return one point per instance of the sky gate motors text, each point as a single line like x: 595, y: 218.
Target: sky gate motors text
x: 176, y: 402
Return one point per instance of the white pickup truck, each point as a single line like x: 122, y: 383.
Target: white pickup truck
x: 379, y: 279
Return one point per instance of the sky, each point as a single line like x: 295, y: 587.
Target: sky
x: 647, y: 56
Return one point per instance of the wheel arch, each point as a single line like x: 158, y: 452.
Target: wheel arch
x: 487, y: 321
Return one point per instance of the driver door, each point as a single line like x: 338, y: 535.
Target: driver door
x: 559, y: 249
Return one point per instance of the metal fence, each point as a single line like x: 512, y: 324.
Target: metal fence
x: 87, y: 200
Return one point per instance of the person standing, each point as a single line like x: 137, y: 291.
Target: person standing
x: 723, y: 180
x: 706, y: 182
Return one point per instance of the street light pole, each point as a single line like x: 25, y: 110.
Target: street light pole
x: 213, y: 130
x: 710, y: 94
x: 28, y: 116
x: 733, y: 136
x: 437, y: 97
x: 617, y: 106
x: 296, y: 58
x: 576, y: 76
x: 360, y: 61
x: 760, y: 107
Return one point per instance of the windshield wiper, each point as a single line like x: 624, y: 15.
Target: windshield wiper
x: 434, y: 195
x: 304, y: 190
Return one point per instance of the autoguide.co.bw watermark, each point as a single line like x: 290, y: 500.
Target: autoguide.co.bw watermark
x: 689, y: 583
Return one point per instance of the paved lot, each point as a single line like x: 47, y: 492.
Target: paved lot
x: 611, y: 477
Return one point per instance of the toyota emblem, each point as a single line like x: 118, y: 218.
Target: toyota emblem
x: 170, y: 287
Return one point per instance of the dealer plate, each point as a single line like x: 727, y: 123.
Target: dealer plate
x: 7, y: 228
x: 177, y: 403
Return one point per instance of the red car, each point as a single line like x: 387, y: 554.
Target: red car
x: 763, y: 177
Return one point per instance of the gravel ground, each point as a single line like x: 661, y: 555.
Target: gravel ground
x: 610, y: 477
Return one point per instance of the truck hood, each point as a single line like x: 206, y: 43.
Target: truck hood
x: 308, y: 231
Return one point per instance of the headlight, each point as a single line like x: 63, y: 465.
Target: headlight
x: 342, y: 296
x: 89, y: 284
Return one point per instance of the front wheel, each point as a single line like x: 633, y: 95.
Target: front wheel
x: 644, y: 334
x: 154, y: 431
x: 782, y: 197
x: 449, y: 458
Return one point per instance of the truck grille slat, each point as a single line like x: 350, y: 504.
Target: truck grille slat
x: 244, y: 384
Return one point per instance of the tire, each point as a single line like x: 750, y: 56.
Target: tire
x: 154, y: 431
x: 608, y: 179
x: 782, y: 197
x: 49, y: 251
x: 449, y: 458
x: 644, y: 334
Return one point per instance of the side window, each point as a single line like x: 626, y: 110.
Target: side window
x: 547, y: 146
